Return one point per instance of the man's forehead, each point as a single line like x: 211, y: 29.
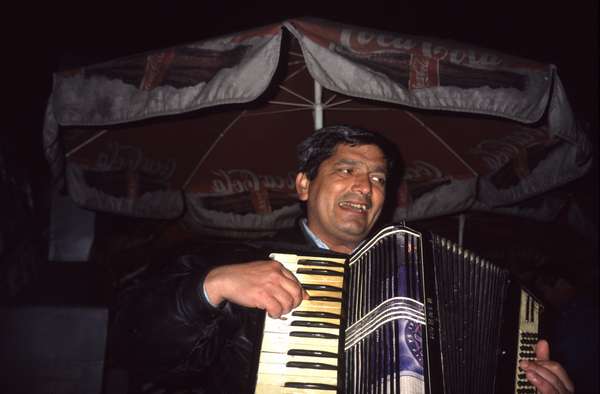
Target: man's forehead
x: 367, y: 153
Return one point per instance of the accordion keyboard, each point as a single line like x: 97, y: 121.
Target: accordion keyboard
x: 529, y: 319
x: 299, y: 352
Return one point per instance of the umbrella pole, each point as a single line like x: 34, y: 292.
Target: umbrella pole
x: 318, y: 111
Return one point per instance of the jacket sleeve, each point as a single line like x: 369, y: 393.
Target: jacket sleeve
x: 164, y: 324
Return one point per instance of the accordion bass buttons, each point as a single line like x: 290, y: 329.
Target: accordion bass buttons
x: 530, y: 311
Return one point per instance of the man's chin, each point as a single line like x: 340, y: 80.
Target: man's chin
x: 355, y: 233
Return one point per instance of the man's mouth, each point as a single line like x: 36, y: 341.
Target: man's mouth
x: 358, y: 207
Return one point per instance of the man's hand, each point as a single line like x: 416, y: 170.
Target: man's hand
x: 260, y: 284
x: 546, y: 375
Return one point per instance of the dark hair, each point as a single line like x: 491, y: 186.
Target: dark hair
x: 321, y: 145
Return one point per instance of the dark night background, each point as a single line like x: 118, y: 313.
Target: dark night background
x: 50, y: 37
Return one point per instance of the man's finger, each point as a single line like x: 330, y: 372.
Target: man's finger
x: 547, y: 376
x: 296, y: 290
x: 293, y: 286
x: 284, y: 298
x: 272, y: 306
x: 288, y: 274
x: 545, y: 381
x: 542, y: 350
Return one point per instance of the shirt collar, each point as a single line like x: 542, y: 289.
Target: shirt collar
x: 318, y: 242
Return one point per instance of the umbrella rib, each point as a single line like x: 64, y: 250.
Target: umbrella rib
x: 290, y: 104
x: 337, y: 103
x: 214, y: 144
x: 296, y: 94
x: 442, y: 142
x: 330, y: 99
x: 86, y: 142
x: 278, y: 112
x: 296, y: 54
x: 358, y: 109
x: 298, y: 71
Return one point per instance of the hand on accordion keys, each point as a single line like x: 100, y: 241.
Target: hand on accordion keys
x: 259, y: 284
x: 546, y: 375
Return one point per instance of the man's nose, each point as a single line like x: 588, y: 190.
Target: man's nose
x: 362, y: 184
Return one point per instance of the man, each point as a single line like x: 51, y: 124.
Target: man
x: 197, y: 322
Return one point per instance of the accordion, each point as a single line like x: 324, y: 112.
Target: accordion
x: 405, y: 313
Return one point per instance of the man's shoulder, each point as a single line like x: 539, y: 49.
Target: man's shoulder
x: 222, y: 251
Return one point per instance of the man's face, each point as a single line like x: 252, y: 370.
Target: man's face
x: 345, y: 198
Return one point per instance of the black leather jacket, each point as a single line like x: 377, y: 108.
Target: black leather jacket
x: 167, y: 336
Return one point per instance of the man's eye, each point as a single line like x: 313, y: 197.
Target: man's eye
x: 346, y: 170
x: 378, y: 179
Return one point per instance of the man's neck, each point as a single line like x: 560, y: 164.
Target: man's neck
x: 342, y: 247
x: 319, y: 242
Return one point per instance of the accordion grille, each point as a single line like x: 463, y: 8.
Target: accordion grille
x: 470, y: 294
x: 385, y: 316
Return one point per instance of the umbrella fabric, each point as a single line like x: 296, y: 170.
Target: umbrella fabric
x: 207, y: 131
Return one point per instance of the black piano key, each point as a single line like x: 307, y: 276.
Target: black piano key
x: 310, y: 323
x: 311, y: 286
x: 320, y: 263
x: 317, y: 314
x: 311, y: 353
x: 306, y: 334
x: 318, y: 271
x: 310, y: 386
x: 309, y: 365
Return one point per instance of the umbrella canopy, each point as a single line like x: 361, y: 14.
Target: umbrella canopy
x: 207, y: 131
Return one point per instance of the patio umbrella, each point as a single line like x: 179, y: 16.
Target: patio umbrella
x: 206, y: 132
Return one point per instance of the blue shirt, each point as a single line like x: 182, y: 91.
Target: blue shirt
x: 308, y: 232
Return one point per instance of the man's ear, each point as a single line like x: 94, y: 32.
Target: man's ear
x: 302, y: 186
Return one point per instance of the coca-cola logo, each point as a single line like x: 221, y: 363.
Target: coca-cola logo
x: 369, y: 42
x: 127, y: 157
x: 243, y: 180
x: 495, y: 153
